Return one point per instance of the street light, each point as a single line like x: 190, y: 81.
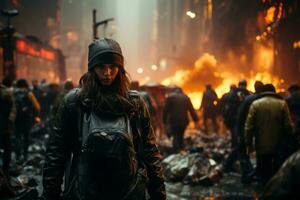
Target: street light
x: 140, y: 70
x: 191, y: 14
x: 9, y: 14
x: 154, y: 67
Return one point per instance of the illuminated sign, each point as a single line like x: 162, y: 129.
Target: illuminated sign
x: 27, y: 48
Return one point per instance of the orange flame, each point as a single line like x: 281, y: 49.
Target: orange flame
x: 269, y: 18
x: 205, y: 71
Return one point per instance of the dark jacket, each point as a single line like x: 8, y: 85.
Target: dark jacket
x: 176, y: 110
x: 65, y: 142
x: 231, y: 103
x: 293, y: 102
x: 242, y: 114
x: 209, y: 103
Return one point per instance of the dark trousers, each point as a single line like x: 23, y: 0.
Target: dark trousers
x: 234, y: 154
x: 267, y: 166
x: 238, y: 153
x: 178, y: 138
x: 5, y: 144
x: 22, y: 139
x: 214, y: 123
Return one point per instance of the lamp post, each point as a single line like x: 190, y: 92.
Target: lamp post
x: 96, y: 24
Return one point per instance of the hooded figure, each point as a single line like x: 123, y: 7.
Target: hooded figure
x: 102, y: 139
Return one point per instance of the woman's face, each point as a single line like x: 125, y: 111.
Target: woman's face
x: 106, y: 73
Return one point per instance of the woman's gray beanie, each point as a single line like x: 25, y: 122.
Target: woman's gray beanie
x: 105, y: 51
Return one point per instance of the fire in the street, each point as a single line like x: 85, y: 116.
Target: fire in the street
x: 204, y: 71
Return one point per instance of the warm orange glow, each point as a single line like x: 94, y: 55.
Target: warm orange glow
x: 178, y: 79
x: 196, y: 98
x: 27, y: 48
x: 72, y: 36
x: 269, y: 18
x: 209, y: 198
x: 264, y: 58
x: 228, y: 80
x: 209, y: 9
x: 279, y: 15
x: 296, y: 44
x: 182, y: 78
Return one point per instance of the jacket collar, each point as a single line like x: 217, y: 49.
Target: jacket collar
x: 271, y: 94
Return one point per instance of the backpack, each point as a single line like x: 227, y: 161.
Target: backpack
x: 108, y: 159
x: 24, y: 107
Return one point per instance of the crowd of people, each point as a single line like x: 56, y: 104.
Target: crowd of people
x: 23, y: 106
x: 263, y: 122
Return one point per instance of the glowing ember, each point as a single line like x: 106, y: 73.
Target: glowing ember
x: 269, y: 18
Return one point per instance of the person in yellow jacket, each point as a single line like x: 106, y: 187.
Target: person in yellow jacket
x: 268, y: 123
x: 27, y: 108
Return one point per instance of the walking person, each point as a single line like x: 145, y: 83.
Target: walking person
x: 269, y: 123
x: 209, y: 107
x: 102, y: 138
x: 175, y: 117
x: 26, y: 107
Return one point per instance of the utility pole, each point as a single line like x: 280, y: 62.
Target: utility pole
x: 8, y: 50
x: 96, y: 24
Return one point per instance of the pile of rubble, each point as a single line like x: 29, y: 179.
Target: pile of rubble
x: 197, y: 172
x: 24, y: 181
x: 201, y: 164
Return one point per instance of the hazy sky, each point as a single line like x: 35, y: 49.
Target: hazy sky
x: 132, y: 28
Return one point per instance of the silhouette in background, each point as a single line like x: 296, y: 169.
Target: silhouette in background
x: 175, y: 117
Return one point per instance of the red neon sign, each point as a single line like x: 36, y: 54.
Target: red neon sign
x: 27, y: 48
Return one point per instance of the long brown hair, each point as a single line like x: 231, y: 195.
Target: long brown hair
x: 92, y: 88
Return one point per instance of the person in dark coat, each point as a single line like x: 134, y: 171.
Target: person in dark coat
x: 175, y: 117
x: 93, y: 123
x: 222, y: 107
x: 209, y: 106
x: 247, y: 170
x: 293, y: 102
x: 232, y: 102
